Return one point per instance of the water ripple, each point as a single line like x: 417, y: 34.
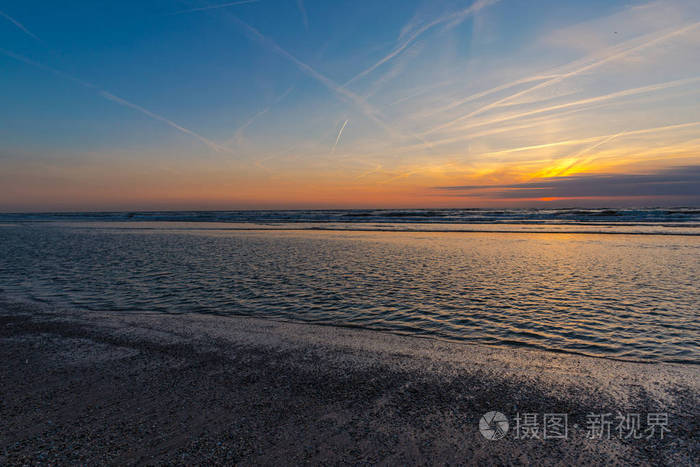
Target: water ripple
x: 629, y: 297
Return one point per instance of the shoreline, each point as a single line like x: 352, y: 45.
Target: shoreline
x: 358, y: 227
x: 125, y: 388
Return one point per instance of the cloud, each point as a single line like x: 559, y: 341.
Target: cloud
x: 238, y: 134
x: 125, y: 103
x: 360, y: 103
x: 479, y: 95
x: 116, y: 99
x: 414, y: 33
x: 304, y: 16
x: 615, y: 54
x: 395, y: 70
x: 20, y: 26
x: 682, y: 183
x: 590, y: 101
x: 338, y: 138
x: 590, y: 139
x: 213, y: 7
x: 600, y: 32
x: 578, y: 159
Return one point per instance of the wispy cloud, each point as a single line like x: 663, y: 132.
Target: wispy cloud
x: 361, y: 104
x: 414, y: 33
x: 239, y: 131
x: 138, y: 108
x: 581, y: 102
x: 680, y: 183
x: 591, y: 139
x: 304, y: 16
x: 420, y: 91
x: 466, y: 131
x: 338, y: 137
x: 393, y: 71
x: 20, y: 26
x: 492, y: 104
x: 472, y: 97
x: 577, y: 159
x: 116, y: 99
x: 212, y: 7
x: 614, y: 54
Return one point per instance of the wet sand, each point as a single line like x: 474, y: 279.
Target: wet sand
x: 145, y: 388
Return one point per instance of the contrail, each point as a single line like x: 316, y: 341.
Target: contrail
x: 577, y: 156
x: 262, y: 112
x: 590, y: 100
x: 564, y: 76
x: 31, y: 62
x: 420, y: 90
x: 583, y: 104
x: 20, y: 26
x: 111, y: 97
x: 338, y: 138
x: 124, y: 102
x: 369, y: 111
x: 212, y: 7
x: 453, y: 17
x: 596, y: 138
x: 304, y: 16
x: 487, y: 92
x: 536, y: 122
x: 330, y: 84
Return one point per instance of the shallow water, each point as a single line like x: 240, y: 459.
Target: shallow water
x: 623, y: 296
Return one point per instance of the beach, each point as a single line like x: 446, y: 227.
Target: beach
x: 398, y: 232
x: 154, y: 388
x: 629, y: 297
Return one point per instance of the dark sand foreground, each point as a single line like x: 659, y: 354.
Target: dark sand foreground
x: 150, y: 388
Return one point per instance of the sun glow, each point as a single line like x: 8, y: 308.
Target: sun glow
x: 432, y: 98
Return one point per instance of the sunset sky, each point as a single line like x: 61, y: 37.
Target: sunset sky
x: 169, y: 104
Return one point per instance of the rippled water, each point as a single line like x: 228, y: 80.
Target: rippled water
x: 624, y: 296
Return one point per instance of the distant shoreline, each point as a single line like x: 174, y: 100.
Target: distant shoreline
x: 308, y: 226
x: 127, y: 388
x: 546, y: 215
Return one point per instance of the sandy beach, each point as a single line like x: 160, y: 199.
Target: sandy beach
x: 148, y: 388
x: 397, y: 232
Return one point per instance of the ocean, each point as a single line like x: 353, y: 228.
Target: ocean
x: 607, y: 283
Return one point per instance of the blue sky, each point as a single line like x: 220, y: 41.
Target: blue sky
x: 302, y: 103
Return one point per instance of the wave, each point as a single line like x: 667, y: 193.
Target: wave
x: 686, y: 216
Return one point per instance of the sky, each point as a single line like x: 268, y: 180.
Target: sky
x: 274, y: 104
